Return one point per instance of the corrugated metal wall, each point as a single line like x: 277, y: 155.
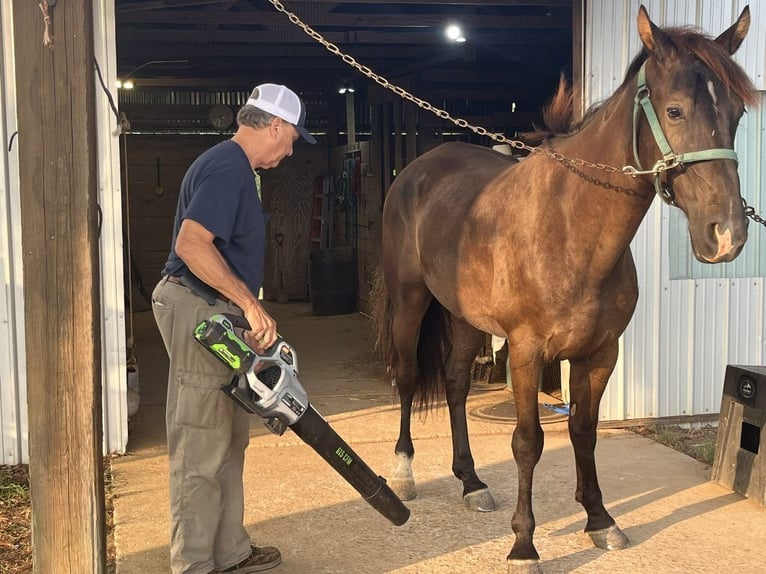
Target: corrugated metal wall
x: 13, y: 397
x: 113, y: 350
x: 684, y: 331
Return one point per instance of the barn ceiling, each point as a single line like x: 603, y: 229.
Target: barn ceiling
x: 513, y: 53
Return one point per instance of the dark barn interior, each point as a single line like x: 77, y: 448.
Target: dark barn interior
x: 186, y: 66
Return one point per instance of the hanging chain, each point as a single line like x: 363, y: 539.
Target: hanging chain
x: 750, y: 212
x: 659, y: 167
x: 443, y: 114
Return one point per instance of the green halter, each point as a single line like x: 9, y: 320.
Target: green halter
x: 670, y: 159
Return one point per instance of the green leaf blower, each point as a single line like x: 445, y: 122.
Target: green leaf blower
x: 267, y: 385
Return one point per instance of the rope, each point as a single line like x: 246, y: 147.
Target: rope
x: 47, y: 34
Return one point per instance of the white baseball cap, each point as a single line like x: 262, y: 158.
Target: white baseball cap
x: 282, y: 102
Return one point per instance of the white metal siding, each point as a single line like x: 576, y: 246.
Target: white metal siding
x: 113, y: 353
x: 13, y: 397
x: 684, y: 332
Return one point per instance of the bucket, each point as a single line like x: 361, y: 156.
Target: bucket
x: 332, y: 280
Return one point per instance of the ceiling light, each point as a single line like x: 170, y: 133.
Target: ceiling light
x: 346, y: 86
x: 127, y: 83
x: 454, y: 33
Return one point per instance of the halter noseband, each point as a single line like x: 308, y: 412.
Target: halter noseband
x: 670, y: 159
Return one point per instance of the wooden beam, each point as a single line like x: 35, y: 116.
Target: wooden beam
x: 55, y: 90
x: 446, y: 2
x: 163, y: 4
x: 132, y: 56
x: 290, y: 34
x: 404, y: 20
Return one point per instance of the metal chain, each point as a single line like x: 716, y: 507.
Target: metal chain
x: 443, y: 114
x: 659, y: 167
x: 750, y: 212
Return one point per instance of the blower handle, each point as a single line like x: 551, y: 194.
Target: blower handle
x: 240, y: 322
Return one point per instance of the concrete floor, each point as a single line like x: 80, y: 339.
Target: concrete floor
x: 676, y: 519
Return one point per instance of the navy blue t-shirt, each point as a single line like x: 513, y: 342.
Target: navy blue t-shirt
x: 219, y: 192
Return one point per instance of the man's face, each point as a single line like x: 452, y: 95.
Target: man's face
x: 283, y: 136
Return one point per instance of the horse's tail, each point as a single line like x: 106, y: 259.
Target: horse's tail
x: 434, y: 343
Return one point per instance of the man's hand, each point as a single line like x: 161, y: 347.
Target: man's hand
x: 263, y: 329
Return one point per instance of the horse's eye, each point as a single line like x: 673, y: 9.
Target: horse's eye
x: 675, y: 113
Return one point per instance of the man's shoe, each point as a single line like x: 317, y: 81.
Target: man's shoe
x: 260, y: 559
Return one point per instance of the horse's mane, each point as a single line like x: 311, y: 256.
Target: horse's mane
x: 558, y: 114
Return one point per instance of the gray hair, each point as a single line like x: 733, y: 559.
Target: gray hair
x: 253, y: 117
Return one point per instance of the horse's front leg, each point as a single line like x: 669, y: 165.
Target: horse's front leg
x: 587, y: 383
x: 466, y: 342
x: 527, y: 444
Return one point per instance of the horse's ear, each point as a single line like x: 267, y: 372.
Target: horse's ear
x: 732, y: 38
x: 655, y: 40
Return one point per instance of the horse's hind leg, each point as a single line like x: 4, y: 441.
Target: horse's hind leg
x: 409, y: 305
x: 587, y: 384
x: 466, y: 342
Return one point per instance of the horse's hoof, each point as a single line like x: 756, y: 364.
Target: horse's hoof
x: 480, y: 500
x: 524, y: 567
x: 404, y: 489
x: 611, y: 538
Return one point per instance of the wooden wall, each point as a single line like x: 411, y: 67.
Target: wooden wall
x: 288, y: 194
x: 156, y: 165
x: 364, y: 230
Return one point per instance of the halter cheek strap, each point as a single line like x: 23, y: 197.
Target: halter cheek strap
x: 670, y: 159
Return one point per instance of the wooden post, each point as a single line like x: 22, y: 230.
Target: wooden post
x: 350, y: 119
x: 411, y: 126
x: 386, y: 161
x: 398, y: 137
x: 578, y: 58
x: 58, y: 179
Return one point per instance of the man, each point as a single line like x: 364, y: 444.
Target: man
x: 216, y: 266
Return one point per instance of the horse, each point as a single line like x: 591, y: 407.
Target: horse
x: 538, y: 252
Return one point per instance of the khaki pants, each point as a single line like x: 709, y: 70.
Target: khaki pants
x: 207, y: 435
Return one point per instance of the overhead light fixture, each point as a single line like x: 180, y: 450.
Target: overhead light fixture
x: 346, y: 87
x: 128, y: 84
x: 454, y: 33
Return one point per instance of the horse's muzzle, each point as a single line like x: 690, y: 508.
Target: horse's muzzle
x: 723, y: 242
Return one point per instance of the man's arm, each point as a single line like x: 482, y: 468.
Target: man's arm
x: 194, y: 245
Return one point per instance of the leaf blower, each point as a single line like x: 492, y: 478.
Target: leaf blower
x: 267, y: 385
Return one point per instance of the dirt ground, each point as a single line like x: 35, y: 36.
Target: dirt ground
x: 677, y: 520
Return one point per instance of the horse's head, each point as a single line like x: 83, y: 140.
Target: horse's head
x: 698, y: 94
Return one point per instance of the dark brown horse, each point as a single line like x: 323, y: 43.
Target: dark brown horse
x: 538, y: 252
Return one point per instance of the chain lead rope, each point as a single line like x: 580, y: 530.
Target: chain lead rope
x: 658, y: 168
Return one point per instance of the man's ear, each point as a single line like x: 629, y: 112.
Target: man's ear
x: 274, y: 126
